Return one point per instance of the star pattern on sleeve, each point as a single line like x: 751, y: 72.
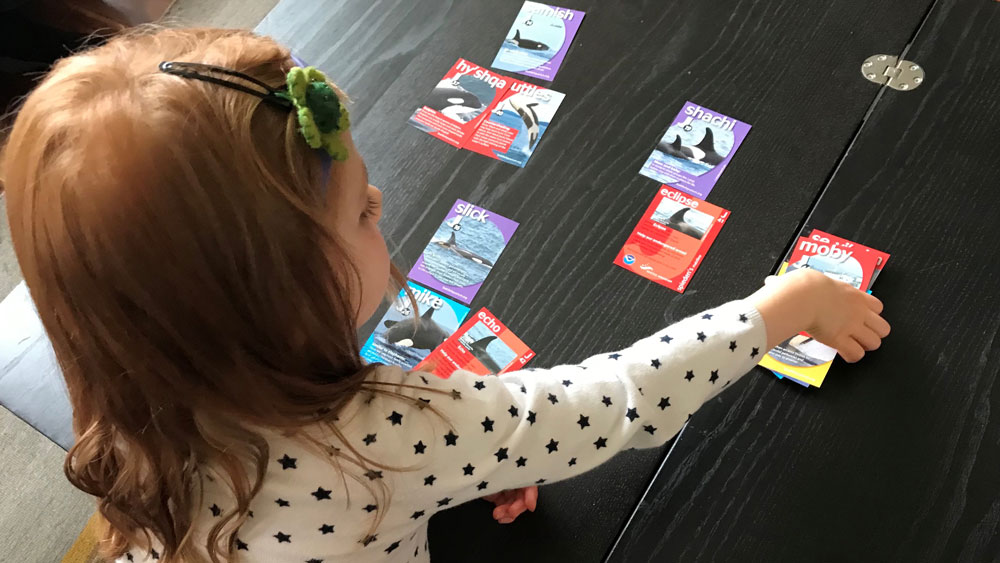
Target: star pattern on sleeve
x: 577, y: 414
x: 287, y: 462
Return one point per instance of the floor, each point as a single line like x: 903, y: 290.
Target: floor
x: 41, y: 514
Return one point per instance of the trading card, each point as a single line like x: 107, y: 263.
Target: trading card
x: 463, y: 251
x: 403, y: 338
x: 483, y: 345
x: 695, y: 150
x: 538, y: 40
x: 672, y: 238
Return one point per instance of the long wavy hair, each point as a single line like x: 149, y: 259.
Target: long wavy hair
x: 172, y: 235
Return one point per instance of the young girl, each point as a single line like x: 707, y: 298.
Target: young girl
x: 201, y: 244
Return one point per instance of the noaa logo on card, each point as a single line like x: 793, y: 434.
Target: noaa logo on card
x: 628, y: 259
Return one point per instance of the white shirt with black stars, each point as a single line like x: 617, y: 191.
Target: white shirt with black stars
x: 529, y: 427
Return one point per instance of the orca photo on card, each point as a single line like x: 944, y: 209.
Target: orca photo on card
x: 463, y: 251
x: 695, y: 150
x: 483, y: 345
x: 538, y: 40
x: 404, y: 337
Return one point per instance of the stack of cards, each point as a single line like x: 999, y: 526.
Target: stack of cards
x: 451, y: 269
x: 800, y: 358
x: 498, y: 116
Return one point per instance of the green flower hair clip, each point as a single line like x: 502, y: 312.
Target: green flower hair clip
x: 322, y: 118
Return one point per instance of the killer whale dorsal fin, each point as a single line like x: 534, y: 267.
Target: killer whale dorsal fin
x: 389, y: 324
x: 451, y: 239
x: 428, y: 314
x: 677, y: 142
x: 532, y: 104
x: 708, y: 143
x: 517, y: 35
x: 678, y: 216
x: 483, y: 342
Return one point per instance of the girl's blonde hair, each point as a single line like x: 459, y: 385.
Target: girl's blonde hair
x: 171, y: 233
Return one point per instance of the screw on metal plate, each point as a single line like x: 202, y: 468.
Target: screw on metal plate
x: 894, y: 73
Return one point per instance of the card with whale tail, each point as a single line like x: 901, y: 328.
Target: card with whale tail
x: 463, y: 251
x: 538, y: 40
x: 483, y: 345
x: 404, y: 337
x: 516, y: 123
x: 479, y: 110
x: 671, y: 240
x: 695, y: 150
x: 801, y: 358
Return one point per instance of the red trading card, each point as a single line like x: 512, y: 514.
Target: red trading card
x: 483, y: 345
x: 672, y: 238
x: 838, y: 258
x: 460, y: 102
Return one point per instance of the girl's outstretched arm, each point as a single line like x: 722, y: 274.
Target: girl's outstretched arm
x: 542, y: 425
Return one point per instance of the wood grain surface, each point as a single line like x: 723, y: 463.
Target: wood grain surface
x: 791, y: 69
x: 895, y: 459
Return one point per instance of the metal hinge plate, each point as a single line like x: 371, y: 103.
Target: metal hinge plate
x: 893, y: 72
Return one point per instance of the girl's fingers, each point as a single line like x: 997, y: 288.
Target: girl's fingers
x: 873, y: 302
x: 516, y: 508
x: 878, y: 324
x: 850, y: 350
x: 867, y: 338
x: 531, y: 498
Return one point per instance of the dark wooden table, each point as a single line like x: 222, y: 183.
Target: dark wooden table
x: 894, y: 459
x: 884, y: 461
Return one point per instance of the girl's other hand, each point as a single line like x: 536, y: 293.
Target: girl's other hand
x: 832, y: 312
x: 511, y: 503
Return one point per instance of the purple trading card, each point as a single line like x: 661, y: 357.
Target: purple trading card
x: 463, y: 251
x: 538, y: 40
x: 695, y: 150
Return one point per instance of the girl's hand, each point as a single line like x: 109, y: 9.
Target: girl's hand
x: 832, y: 312
x: 511, y: 503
